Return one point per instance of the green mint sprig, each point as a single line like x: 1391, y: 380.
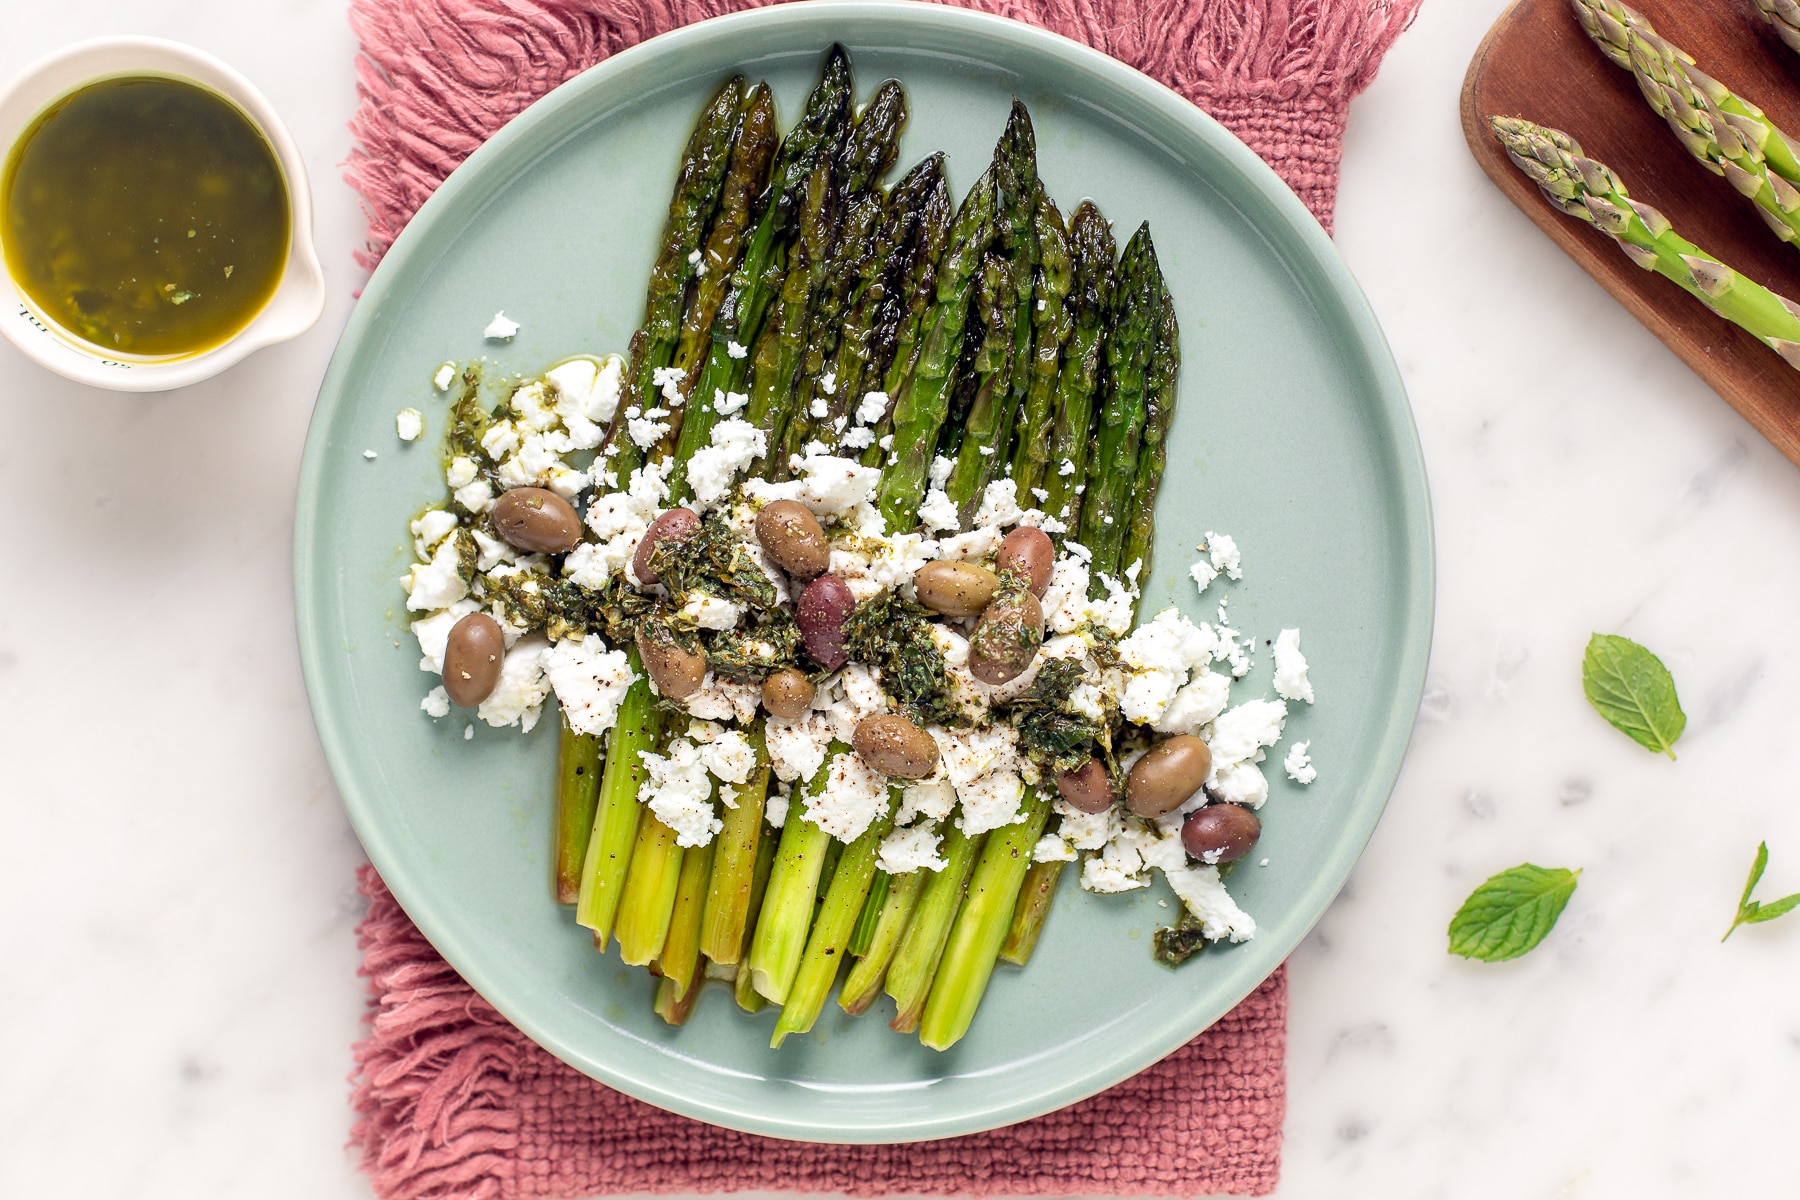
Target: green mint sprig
x: 1511, y: 912
x: 1631, y: 688
x: 1751, y: 912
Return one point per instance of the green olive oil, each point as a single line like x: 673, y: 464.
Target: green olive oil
x: 146, y: 215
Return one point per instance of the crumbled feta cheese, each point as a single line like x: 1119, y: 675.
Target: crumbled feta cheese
x: 1067, y: 469
x: 1202, y: 573
x: 468, y: 732
x: 775, y: 808
x: 445, y: 376
x: 872, y: 408
x: 1086, y: 831
x: 1298, y: 763
x: 737, y: 350
x: 438, y: 583
x: 645, y: 431
x: 587, y: 395
x: 729, y: 756
x: 938, y: 512
x: 1051, y: 848
x: 1238, y: 737
x: 1203, y: 698
x: 711, y: 612
x: 1225, y: 555
x: 436, y: 702
x: 668, y: 381
x: 1203, y: 893
x: 931, y: 798
x: 853, y: 796
x: 714, y: 469
x: 409, y: 423
x: 518, y: 697
x: 972, y: 546
x: 828, y: 383
x: 818, y: 408
x: 990, y: 802
x: 940, y: 470
x: 1291, y: 682
x: 1239, y: 783
x: 859, y: 439
x: 460, y: 473
x: 499, y: 440
x: 719, y: 699
x: 501, y: 328
x: 828, y: 485
x: 725, y: 403
x: 1231, y: 650
x: 432, y: 527
x: 1159, y: 656
x: 907, y: 850
x: 887, y: 443
x: 999, y: 505
x: 590, y: 682
x: 678, y: 790
x: 797, y: 746
x: 370, y: 454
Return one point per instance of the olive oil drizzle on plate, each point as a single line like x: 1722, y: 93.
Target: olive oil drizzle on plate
x: 145, y: 215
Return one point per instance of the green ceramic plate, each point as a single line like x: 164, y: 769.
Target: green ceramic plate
x: 1293, y: 434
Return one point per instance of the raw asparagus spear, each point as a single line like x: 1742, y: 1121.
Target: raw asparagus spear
x: 1051, y: 322
x: 923, y: 401
x: 1159, y: 411
x: 981, y: 926
x: 578, y: 761
x: 696, y: 196
x: 1728, y: 134
x: 1586, y: 189
x: 1784, y: 15
x: 844, y: 899
x: 1091, y: 253
x: 1110, y: 476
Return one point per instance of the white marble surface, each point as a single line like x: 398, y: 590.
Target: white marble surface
x: 178, y: 993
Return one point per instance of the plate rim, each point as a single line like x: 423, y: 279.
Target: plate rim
x: 1411, y: 487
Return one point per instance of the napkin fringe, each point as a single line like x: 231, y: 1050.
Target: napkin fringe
x: 436, y: 78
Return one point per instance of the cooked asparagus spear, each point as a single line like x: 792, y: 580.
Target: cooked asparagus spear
x: 697, y: 190
x: 1036, y: 895
x: 1784, y: 15
x: 637, y: 729
x: 923, y: 401
x: 922, y: 945
x: 1728, y: 134
x: 729, y: 894
x: 679, y: 959
x: 1153, y: 455
x: 985, y: 434
x: 578, y: 761
x: 1051, y: 322
x: 1091, y: 252
x: 1586, y: 189
x: 903, y: 321
x: 1128, y: 342
x: 892, y: 918
x: 787, y: 911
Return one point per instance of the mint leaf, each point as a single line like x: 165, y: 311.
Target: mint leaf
x: 1631, y: 688
x: 1751, y: 912
x: 1511, y: 913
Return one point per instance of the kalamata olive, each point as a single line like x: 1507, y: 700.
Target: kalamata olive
x: 676, y: 525
x: 1086, y: 787
x: 1006, y: 639
x: 1220, y: 833
x: 1172, y: 771
x: 895, y: 746
x: 791, y: 535
x: 676, y: 671
x: 956, y: 589
x: 824, y: 605
x: 536, y: 519
x: 787, y: 693
x: 472, y: 656
x: 1027, y: 552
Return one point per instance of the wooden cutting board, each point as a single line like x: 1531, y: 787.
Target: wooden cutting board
x: 1536, y: 63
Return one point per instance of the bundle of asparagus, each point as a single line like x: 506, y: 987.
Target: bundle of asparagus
x: 801, y: 313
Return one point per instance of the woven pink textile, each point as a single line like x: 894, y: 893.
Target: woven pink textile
x: 452, y: 1102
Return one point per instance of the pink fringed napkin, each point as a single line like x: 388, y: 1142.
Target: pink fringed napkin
x: 455, y: 1104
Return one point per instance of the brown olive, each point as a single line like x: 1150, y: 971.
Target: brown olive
x: 895, y: 746
x: 537, y: 520
x: 787, y: 693
x: 676, y: 525
x: 1164, y: 778
x: 1028, y: 553
x: 792, y: 536
x: 1006, y: 639
x: 472, y: 656
x: 824, y: 605
x: 676, y: 671
x: 956, y: 589
x: 1220, y: 833
x: 1086, y: 787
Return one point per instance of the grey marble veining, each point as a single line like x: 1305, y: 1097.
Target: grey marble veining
x: 179, y: 989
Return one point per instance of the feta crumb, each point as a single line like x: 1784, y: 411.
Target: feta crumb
x: 445, y: 376
x: 468, y: 732
x: 907, y: 850
x: 828, y: 385
x: 1225, y: 555
x: 797, y: 746
x: 693, y: 257
x: 713, y: 469
x: 1239, y: 734
x: 887, y: 443
x: 1051, y: 848
x: 819, y: 408
x: 668, y: 380
x: 1203, y: 893
x: 724, y: 700
x: 931, y: 798
x: 1067, y: 468
x: 645, y: 432
x: 460, y: 473
x: 368, y: 454
x: 859, y: 438
x: 737, y: 349
x: 999, y: 505
x: 711, y: 612
x: 986, y: 451
x: 438, y: 583
x: 871, y: 408
x: 436, y: 703
x: 518, y: 697
x: 1291, y: 682
x: 725, y: 403
x: 678, y: 790
x: 409, y: 423
x: 853, y: 796
x: 590, y: 682
x: 941, y: 469
x: 1202, y: 573
x: 1298, y: 764
x: 501, y: 329
x: 729, y: 756
x: 775, y: 808
x: 938, y: 512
